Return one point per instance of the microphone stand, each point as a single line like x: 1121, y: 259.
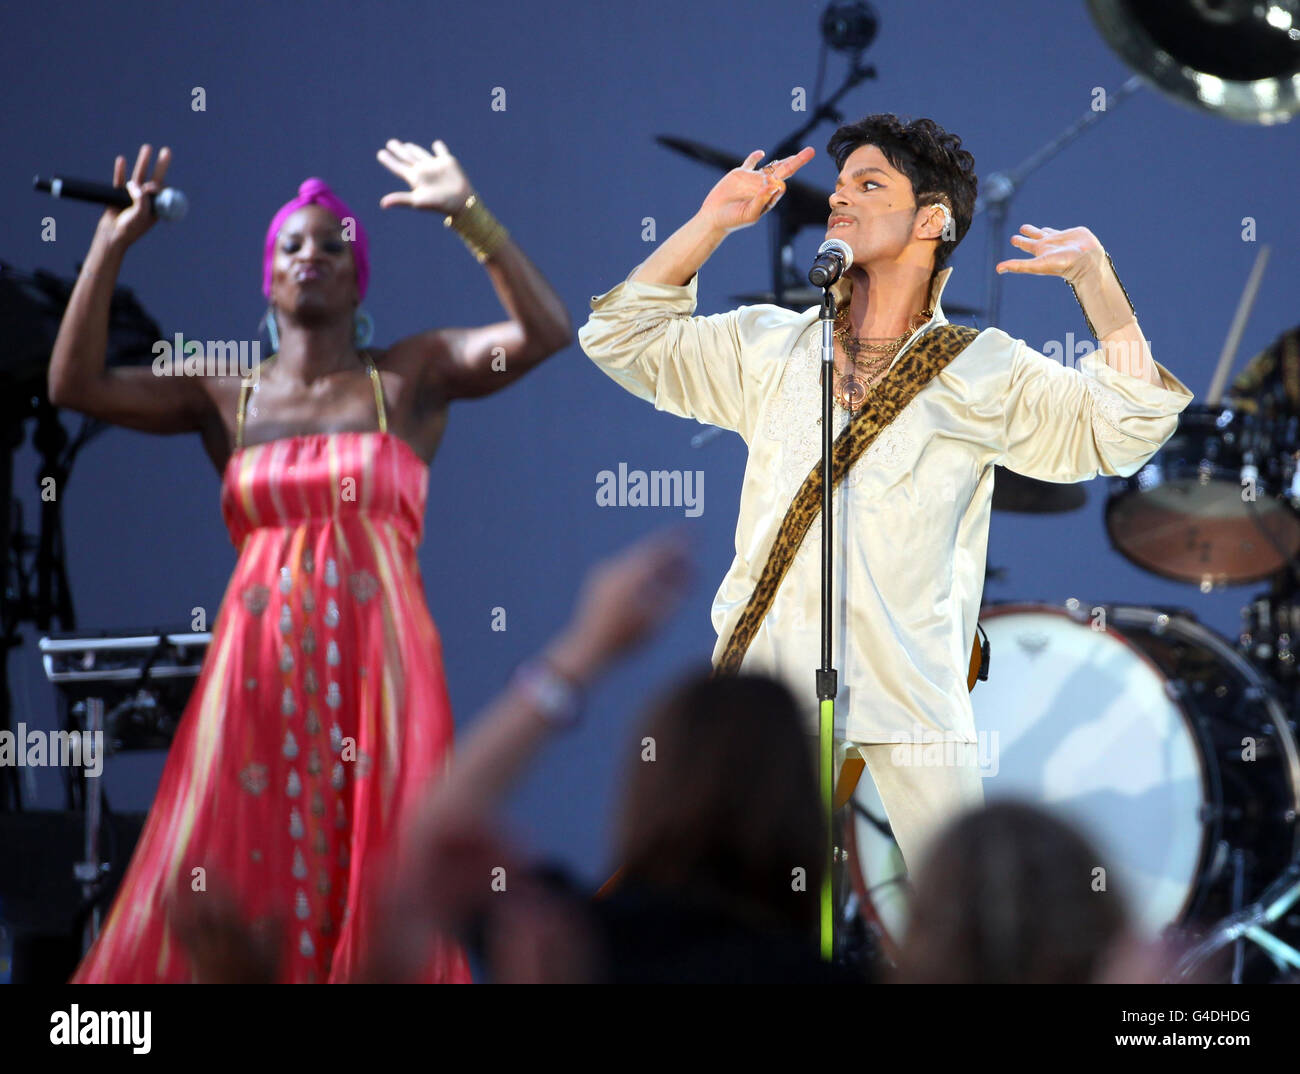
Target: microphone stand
x: 784, y: 229
x: 1001, y: 187
x: 827, y: 678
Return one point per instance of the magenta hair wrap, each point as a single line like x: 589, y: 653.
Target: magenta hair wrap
x: 317, y: 192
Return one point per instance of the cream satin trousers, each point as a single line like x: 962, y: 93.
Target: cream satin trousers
x: 920, y: 798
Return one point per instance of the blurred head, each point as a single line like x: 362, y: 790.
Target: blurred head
x: 1005, y: 895
x: 316, y: 255
x: 728, y: 808
x: 891, y: 178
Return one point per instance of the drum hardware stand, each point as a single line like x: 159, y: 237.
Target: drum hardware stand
x: 1001, y: 187
x: 854, y: 944
x: 1250, y: 923
x: 882, y: 826
x: 33, y: 580
x: 122, y: 668
x: 1238, y: 897
x: 851, y: 34
x: 91, y: 871
x: 868, y: 943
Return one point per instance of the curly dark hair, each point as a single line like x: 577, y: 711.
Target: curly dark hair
x: 940, y: 170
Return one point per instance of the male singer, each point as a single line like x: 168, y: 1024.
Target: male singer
x: 912, y: 514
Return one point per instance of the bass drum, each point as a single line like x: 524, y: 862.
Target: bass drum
x: 1150, y: 733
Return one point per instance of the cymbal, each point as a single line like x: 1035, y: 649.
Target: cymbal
x: 804, y: 204
x: 800, y: 298
x: 1028, y: 496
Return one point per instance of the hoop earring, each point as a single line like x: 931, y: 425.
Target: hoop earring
x: 948, y: 223
x: 268, y: 321
x: 363, y: 328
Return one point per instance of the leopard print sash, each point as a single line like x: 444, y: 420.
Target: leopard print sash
x: 913, y: 371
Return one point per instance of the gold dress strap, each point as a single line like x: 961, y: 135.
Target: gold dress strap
x: 244, y: 385
x: 379, y: 394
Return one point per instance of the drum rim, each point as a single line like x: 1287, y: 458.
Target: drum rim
x: 1254, y: 677
x: 1186, y: 471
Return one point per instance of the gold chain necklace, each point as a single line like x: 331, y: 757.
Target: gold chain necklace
x: 851, y: 388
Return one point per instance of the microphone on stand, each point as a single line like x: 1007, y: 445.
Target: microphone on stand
x: 168, y: 203
x: 834, y: 258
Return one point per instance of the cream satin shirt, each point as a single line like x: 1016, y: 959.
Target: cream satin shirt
x: 911, y: 518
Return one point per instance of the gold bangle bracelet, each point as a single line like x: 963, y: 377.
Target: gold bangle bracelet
x: 482, y: 232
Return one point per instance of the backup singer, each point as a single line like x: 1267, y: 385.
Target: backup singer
x: 912, y: 513
x: 321, y: 713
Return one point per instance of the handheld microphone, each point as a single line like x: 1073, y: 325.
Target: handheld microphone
x: 834, y: 258
x: 168, y: 203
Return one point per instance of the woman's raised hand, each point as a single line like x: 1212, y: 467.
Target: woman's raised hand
x: 124, y: 226
x: 746, y: 193
x: 435, y: 179
x: 624, y: 601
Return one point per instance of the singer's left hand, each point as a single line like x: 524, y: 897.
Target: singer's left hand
x: 1054, y: 253
x: 436, y: 180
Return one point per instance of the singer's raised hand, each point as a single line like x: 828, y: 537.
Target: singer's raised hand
x: 746, y: 193
x: 129, y: 395
x: 436, y: 178
x: 1053, y: 252
x: 124, y: 226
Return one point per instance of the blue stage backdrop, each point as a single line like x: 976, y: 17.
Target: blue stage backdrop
x: 567, y: 160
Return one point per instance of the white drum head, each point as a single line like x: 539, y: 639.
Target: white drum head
x: 1086, y: 727
x: 1075, y: 719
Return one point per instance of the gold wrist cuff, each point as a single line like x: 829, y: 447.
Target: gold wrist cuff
x: 479, y: 229
x: 1088, y: 320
